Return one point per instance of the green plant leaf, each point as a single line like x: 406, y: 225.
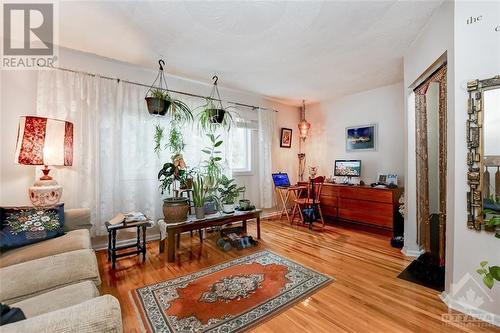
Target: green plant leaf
x: 217, y: 144
x: 495, y: 220
x: 488, y: 281
x: 217, y: 158
x: 495, y: 272
x: 483, y: 263
x: 481, y: 271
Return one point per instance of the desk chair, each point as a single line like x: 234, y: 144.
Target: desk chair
x: 314, y: 187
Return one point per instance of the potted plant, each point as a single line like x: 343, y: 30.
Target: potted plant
x: 214, y: 116
x: 489, y: 273
x: 157, y: 102
x: 160, y: 103
x: 199, y: 193
x: 229, y: 192
x: 175, y: 209
x: 213, y: 168
x: 186, y: 180
x: 492, y: 214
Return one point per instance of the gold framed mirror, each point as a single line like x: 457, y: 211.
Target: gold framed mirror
x: 483, y: 155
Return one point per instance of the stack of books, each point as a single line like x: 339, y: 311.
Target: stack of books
x: 128, y: 218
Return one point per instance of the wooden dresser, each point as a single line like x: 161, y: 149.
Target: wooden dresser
x: 375, y: 207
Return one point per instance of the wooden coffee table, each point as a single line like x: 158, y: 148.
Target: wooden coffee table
x: 214, y: 220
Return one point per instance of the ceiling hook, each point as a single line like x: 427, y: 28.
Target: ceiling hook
x: 215, y: 78
x: 161, y: 63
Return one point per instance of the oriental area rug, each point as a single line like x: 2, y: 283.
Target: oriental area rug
x: 229, y: 297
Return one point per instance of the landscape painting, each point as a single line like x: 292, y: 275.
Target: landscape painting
x: 361, y: 138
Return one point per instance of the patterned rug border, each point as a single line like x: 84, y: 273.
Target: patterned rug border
x: 134, y: 294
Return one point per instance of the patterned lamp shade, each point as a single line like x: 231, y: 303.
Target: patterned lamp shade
x: 44, y: 141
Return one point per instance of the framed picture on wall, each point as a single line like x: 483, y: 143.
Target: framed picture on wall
x: 286, y: 138
x: 361, y: 138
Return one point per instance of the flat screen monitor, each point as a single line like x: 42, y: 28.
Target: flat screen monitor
x: 347, y: 168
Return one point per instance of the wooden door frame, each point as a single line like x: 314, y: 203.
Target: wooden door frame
x: 422, y: 169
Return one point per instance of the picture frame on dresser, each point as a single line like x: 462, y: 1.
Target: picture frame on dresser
x: 361, y: 138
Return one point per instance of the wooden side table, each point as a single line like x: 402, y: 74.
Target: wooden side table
x: 284, y: 195
x: 140, y: 247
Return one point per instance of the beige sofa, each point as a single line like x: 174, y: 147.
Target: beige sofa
x: 55, y: 283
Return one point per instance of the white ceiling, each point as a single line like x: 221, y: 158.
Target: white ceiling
x: 284, y: 50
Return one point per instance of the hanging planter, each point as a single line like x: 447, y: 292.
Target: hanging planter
x: 157, y: 103
x: 160, y: 103
x: 214, y: 115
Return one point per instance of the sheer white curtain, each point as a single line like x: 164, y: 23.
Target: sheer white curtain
x: 267, y: 125
x: 115, y: 167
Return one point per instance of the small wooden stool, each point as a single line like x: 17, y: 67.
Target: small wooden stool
x: 140, y: 248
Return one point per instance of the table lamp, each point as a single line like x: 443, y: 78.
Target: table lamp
x: 44, y: 141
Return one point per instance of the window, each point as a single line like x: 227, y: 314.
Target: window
x: 241, y: 159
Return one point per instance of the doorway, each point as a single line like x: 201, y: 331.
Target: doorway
x: 431, y: 154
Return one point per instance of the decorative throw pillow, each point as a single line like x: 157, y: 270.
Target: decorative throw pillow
x: 27, y: 225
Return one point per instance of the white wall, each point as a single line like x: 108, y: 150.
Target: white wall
x: 473, y: 51
x: 18, y: 97
x: 477, y: 56
x: 329, y: 119
x: 435, y: 40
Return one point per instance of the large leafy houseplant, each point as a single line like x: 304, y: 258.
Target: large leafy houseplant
x: 171, y: 172
x: 175, y: 209
x: 229, y: 191
x: 213, y: 169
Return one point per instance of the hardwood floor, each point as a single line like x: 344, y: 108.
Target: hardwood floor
x: 366, y: 295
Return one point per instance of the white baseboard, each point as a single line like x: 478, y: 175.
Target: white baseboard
x: 489, y: 317
x: 410, y: 252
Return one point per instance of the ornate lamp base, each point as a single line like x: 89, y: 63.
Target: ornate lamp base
x: 45, y: 193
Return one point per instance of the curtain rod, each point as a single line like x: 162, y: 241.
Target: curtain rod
x: 253, y: 107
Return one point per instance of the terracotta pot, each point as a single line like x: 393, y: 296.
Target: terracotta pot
x: 157, y: 106
x: 175, y: 209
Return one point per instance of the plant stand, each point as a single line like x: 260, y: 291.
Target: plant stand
x: 189, y: 195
